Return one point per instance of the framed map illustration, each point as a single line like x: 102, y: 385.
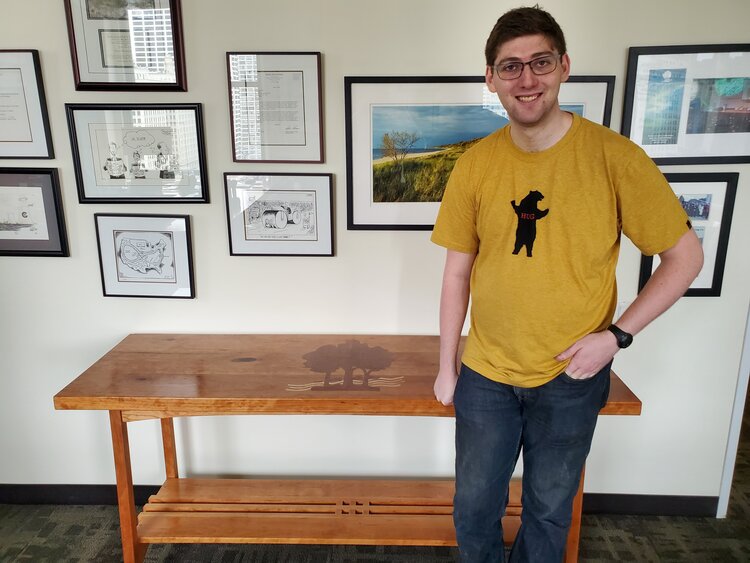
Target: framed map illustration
x: 145, y: 255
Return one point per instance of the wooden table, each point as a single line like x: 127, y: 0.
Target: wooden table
x: 162, y: 376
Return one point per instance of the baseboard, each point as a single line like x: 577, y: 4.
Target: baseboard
x: 650, y: 505
x: 593, y: 503
x: 70, y: 494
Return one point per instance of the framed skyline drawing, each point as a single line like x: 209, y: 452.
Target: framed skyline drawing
x: 126, y: 44
x: 24, y: 124
x: 145, y: 255
x: 708, y: 199
x: 404, y: 134
x: 31, y: 213
x: 689, y: 104
x: 280, y: 214
x: 138, y: 153
x: 275, y: 107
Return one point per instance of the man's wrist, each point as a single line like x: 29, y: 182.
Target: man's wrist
x: 623, y: 339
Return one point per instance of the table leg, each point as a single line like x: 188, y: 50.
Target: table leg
x: 574, y: 535
x: 132, y: 550
x: 170, y: 450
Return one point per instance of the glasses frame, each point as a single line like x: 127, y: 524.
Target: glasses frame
x: 529, y: 63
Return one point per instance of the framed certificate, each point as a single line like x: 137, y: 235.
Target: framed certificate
x: 126, y: 44
x: 24, y: 125
x: 275, y: 107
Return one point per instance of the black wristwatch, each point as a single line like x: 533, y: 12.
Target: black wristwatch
x: 624, y: 339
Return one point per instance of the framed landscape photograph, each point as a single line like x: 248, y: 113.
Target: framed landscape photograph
x: 404, y: 135
x: 24, y: 124
x: 280, y: 214
x: 31, y: 213
x: 145, y: 255
x: 126, y: 44
x: 689, y: 104
x: 708, y: 199
x: 275, y: 107
x: 138, y: 153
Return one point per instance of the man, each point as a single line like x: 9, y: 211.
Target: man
x: 531, y: 219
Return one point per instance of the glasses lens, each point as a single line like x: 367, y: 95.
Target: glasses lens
x: 543, y: 65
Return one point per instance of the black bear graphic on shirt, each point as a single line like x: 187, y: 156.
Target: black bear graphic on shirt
x: 528, y: 214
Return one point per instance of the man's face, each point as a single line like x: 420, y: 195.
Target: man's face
x: 530, y: 99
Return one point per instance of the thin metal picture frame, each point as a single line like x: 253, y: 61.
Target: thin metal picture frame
x: 708, y: 198
x: 689, y: 104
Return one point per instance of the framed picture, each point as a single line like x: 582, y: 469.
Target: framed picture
x: 138, y: 153
x: 275, y: 106
x: 24, y: 124
x: 405, y: 134
x: 126, y: 44
x: 708, y: 199
x: 280, y: 214
x: 31, y: 213
x: 145, y: 255
x: 689, y: 104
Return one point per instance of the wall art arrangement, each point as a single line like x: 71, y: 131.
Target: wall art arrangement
x: 275, y: 105
x: 126, y: 44
x: 138, y: 153
x: 145, y: 255
x: 280, y: 214
x: 404, y: 134
x: 24, y: 125
x: 31, y: 213
x: 689, y: 104
x: 708, y: 199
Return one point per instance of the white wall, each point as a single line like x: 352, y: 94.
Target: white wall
x: 54, y: 321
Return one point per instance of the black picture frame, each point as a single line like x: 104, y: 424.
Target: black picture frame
x: 688, y: 104
x: 279, y: 214
x: 166, y: 158
x: 32, y: 222
x: 27, y: 105
x: 716, y: 192
x: 102, y: 50
x: 589, y: 95
x: 145, y: 255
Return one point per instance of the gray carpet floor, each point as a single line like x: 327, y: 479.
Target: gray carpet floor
x: 78, y: 534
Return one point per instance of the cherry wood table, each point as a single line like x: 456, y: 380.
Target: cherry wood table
x: 148, y: 376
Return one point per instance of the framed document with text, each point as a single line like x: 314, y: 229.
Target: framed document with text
x: 126, y: 44
x: 275, y: 106
x: 24, y: 125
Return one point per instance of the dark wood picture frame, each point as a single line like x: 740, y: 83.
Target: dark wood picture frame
x: 297, y: 71
x: 32, y: 84
x: 709, y: 281
x: 24, y: 205
x: 686, y: 81
x: 165, y: 188
x: 80, y: 50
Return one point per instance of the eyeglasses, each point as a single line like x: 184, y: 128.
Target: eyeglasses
x: 539, y: 66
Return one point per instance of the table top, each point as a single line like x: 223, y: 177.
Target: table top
x: 201, y: 374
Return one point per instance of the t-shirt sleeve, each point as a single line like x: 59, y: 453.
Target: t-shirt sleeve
x: 652, y: 216
x: 455, y: 227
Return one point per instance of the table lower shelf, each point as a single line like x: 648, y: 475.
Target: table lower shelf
x: 287, y: 511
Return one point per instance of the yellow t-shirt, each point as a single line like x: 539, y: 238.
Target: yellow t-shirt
x: 546, y: 229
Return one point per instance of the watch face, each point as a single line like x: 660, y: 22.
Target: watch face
x: 624, y: 339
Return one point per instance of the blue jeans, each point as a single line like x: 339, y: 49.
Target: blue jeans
x: 554, y: 424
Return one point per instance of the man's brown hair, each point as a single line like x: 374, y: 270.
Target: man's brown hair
x: 520, y: 22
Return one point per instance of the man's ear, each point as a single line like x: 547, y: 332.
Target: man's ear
x: 565, y: 62
x: 488, y: 79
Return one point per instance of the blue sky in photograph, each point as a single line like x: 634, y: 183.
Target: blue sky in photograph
x: 435, y: 124
x: 438, y: 125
